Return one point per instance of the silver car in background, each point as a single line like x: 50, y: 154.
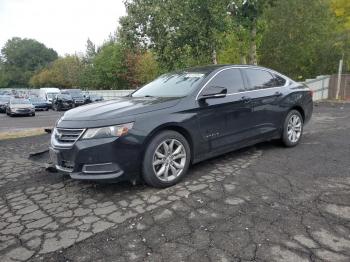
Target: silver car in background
x: 20, y: 106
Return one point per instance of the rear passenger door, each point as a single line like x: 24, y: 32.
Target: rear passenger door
x: 265, y: 91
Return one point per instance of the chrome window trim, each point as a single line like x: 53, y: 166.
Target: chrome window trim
x: 247, y: 91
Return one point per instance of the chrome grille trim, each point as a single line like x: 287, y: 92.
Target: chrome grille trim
x: 66, y: 137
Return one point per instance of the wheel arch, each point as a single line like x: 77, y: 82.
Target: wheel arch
x: 299, y: 109
x: 172, y: 127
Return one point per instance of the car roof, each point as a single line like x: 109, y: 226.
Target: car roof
x: 211, y: 68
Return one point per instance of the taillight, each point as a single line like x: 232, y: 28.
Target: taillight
x: 311, y: 93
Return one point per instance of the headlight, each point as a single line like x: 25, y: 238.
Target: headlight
x: 108, y: 131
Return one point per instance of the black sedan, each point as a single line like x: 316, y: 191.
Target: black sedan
x: 40, y: 103
x: 179, y: 119
x: 4, y: 101
x: 62, y: 102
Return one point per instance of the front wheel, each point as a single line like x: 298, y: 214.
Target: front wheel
x: 166, y: 159
x: 292, y: 129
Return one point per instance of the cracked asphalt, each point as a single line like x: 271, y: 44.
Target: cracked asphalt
x: 262, y: 203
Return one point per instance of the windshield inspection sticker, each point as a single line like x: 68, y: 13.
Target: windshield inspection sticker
x: 194, y: 75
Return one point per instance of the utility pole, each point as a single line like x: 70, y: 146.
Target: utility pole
x: 339, y: 76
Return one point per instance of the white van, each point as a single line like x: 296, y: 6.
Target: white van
x: 48, y: 93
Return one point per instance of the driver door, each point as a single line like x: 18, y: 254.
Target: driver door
x: 224, y: 121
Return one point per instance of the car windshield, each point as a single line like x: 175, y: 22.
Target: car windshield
x: 65, y: 96
x: 73, y: 92
x: 171, y: 85
x: 51, y: 95
x: 20, y: 101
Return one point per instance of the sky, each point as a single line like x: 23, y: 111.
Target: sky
x: 64, y: 25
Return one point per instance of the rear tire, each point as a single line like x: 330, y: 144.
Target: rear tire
x: 292, y: 129
x: 166, y: 160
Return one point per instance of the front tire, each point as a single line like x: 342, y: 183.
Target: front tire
x: 293, y: 129
x: 166, y: 159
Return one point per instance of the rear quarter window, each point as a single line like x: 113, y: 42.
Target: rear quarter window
x: 279, y: 81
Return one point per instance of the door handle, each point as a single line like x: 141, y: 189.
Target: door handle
x: 278, y: 94
x: 246, y: 99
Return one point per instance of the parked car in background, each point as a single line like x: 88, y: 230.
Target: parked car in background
x: 40, y: 103
x: 86, y: 96
x: 179, y: 119
x: 48, y: 93
x: 5, y: 93
x: 95, y: 98
x: 90, y: 98
x: 62, y: 102
x: 77, y: 96
x: 4, y: 101
x: 20, y: 106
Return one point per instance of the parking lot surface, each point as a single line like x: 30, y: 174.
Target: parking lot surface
x: 18, y: 123
x: 262, y: 203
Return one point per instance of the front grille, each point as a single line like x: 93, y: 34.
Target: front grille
x: 67, y: 136
x: 23, y: 110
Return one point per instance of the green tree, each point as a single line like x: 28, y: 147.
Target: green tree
x: 65, y: 72
x: 300, y: 38
x: 146, y: 68
x: 181, y: 33
x: 90, y: 51
x: 22, y: 58
x: 247, y: 16
x: 108, y: 66
x: 341, y: 8
x: 342, y: 11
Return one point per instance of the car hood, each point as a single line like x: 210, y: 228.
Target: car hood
x: 118, y: 108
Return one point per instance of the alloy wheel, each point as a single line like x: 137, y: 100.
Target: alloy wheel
x: 169, y: 160
x: 294, y: 128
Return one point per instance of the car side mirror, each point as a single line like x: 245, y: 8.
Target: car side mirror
x: 213, y: 92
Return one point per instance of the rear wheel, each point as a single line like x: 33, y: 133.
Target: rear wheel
x: 166, y: 160
x: 293, y: 129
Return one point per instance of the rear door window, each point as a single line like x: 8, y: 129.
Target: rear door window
x: 259, y: 79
